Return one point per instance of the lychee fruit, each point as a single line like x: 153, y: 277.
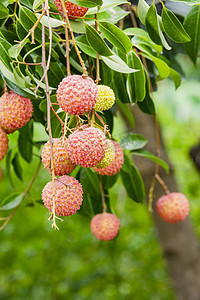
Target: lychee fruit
x: 109, y: 155
x: 62, y: 164
x: 105, y: 99
x: 73, y: 11
x: 3, y: 143
x: 87, y: 147
x: 115, y: 165
x: 15, y: 111
x: 105, y: 226
x: 77, y: 95
x: 68, y: 195
x: 173, y: 207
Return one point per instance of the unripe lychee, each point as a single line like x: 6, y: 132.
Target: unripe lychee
x: 73, y: 11
x: 15, y: 111
x: 105, y: 226
x: 115, y: 165
x: 68, y: 195
x: 77, y: 95
x: 173, y: 207
x: 109, y: 155
x: 62, y: 163
x: 105, y: 99
x: 3, y: 143
x: 87, y: 147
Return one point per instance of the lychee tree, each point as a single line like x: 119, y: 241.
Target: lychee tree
x: 70, y: 66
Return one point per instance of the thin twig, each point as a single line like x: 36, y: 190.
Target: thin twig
x: 67, y: 45
x: 102, y: 194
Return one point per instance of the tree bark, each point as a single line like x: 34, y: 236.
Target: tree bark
x: 179, y: 244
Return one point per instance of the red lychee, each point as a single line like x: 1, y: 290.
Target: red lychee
x: 115, y: 165
x: 73, y: 11
x: 77, y: 95
x: 87, y: 147
x: 105, y: 226
x: 173, y: 207
x: 62, y: 163
x: 15, y: 111
x: 3, y: 143
x: 68, y: 195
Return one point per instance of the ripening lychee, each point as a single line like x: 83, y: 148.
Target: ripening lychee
x: 105, y: 226
x: 77, y: 95
x: 62, y: 163
x: 173, y: 207
x: 15, y: 111
x: 115, y: 165
x: 109, y: 155
x: 73, y: 11
x: 105, y: 99
x: 87, y: 147
x: 68, y: 195
x: 3, y: 143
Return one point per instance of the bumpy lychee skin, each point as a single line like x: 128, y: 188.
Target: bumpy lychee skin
x: 105, y: 226
x: 86, y: 148
x: 105, y: 99
x: 68, y: 196
x: 109, y: 155
x: 15, y: 111
x: 62, y: 163
x: 73, y: 11
x: 77, y: 95
x: 115, y: 165
x: 173, y: 207
x: 3, y: 143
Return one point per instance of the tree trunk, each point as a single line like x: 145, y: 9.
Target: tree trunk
x: 179, y: 244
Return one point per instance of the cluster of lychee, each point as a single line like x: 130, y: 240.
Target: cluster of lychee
x: 15, y: 112
x: 87, y: 146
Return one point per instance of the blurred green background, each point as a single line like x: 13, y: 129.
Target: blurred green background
x: 37, y: 262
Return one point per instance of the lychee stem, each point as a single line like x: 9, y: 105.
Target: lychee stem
x: 73, y: 40
x: 163, y: 185
x: 67, y: 49
x: 97, y: 65
x: 102, y: 194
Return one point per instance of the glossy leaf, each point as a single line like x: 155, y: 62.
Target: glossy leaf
x: 107, y: 4
x: 147, y: 105
x: 192, y: 26
x: 175, y: 76
x: 119, y: 82
x: 25, y: 144
x: 12, y: 204
x: 133, y: 141
x: 15, y: 50
x: 96, y: 41
x: 189, y: 2
x: 4, y: 11
x: 173, y: 27
x: 53, y: 22
x: 37, y: 3
x: 87, y: 3
x: 17, y: 167
x: 85, y: 46
x: 142, y: 10
x: 154, y: 158
x: 115, y: 36
x: 117, y: 64
x: 136, y: 81
x: 132, y: 181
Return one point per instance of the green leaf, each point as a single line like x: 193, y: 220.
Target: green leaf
x: 37, y: 3
x: 17, y: 167
x: 137, y: 80
x: 153, y: 27
x: 173, y: 27
x: 115, y: 36
x: 4, y: 56
x: 25, y: 143
x: 15, y: 50
x: 154, y: 158
x: 87, y: 3
x: 107, y: 4
x: 13, y: 203
x: 147, y: 105
x: 175, y: 76
x: 96, y: 41
x: 8, y: 165
x: 132, y: 181
x: 192, y: 26
x: 4, y: 11
x: 119, y: 82
x: 133, y: 141
x: 53, y: 22
x: 117, y: 64
x: 142, y: 10
x: 84, y: 46
x: 109, y: 181
x: 90, y: 181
